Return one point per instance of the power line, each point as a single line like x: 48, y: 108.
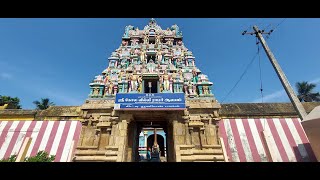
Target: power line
x: 272, y: 30
x: 245, y: 71
x: 261, y: 86
x: 279, y: 23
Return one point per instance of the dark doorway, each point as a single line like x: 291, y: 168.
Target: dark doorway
x: 160, y: 141
x: 150, y: 86
x: 151, y: 57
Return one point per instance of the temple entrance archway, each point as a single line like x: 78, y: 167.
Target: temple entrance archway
x: 141, y: 135
x: 160, y: 141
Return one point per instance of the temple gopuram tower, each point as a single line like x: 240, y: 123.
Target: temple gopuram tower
x: 151, y: 81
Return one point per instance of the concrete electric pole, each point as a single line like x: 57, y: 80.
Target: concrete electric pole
x: 284, y: 81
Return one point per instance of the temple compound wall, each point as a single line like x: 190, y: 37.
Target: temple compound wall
x: 250, y: 132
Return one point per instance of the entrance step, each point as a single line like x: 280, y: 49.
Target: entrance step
x: 87, y: 147
x: 95, y: 158
x: 202, y: 152
x: 89, y: 154
x: 208, y: 153
x: 193, y: 158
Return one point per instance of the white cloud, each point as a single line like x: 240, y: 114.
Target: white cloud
x: 4, y: 75
x: 272, y: 97
x: 62, y: 97
x: 280, y: 94
x: 315, y: 81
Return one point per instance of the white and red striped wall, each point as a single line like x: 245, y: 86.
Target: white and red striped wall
x: 263, y: 140
x: 246, y: 140
x: 55, y: 137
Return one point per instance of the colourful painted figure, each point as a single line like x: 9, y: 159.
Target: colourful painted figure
x: 166, y: 82
x: 96, y: 91
x: 151, y: 66
x: 129, y: 64
x: 110, y: 89
x: 127, y: 29
x: 195, y: 76
x: 140, y: 84
x: 159, y: 55
x: 134, y: 81
x: 142, y: 56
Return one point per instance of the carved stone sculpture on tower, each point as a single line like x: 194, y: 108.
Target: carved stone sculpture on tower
x: 110, y: 89
x: 96, y: 91
x: 142, y: 56
x: 190, y: 88
x: 134, y: 81
x: 151, y: 66
x: 140, y: 84
x: 205, y: 90
x: 159, y: 55
x: 146, y: 39
x: 158, y: 39
x: 166, y: 81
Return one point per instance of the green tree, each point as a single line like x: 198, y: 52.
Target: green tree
x: 13, y: 103
x: 12, y: 158
x: 41, y: 156
x: 44, y: 104
x: 305, y: 92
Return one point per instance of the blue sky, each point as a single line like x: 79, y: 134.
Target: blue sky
x: 57, y: 58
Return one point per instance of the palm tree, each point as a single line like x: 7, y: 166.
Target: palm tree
x: 44, y: 104
x: 305, y: 92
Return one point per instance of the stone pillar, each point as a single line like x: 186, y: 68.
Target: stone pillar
x: 171, y: 149
x: 121, y: 87
x: 121, y: 140
x: 191, y: 133
x: 122, y: 137
x: 200, y: 89
x: 210, y: 89
x: 115, y: 89
x: 101, y: 91
x: 187, y: 134
x: 113, y: 135
x: 145, y: 133
x: 155, y: 137
x: 91, y: 91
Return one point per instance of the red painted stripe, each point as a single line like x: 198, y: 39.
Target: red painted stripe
x: 260, y: 130
x: 291, y: 140
x: 77, y: 132
x: 13, y: 139
x: 62, y: 141
x: 223, y: 134
x: 30, y: 129
x: 253, y: 147
x: 304, y: 140
x: 29, y: 132
x: 237, y: 140
x: 39, y: 138
x: 277, y: 139
x: 5, y: 132
x: 52, y: 136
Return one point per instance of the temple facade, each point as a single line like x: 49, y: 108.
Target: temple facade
x: 151, y: 81
x: 152, y: 95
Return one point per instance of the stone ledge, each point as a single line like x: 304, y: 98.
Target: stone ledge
x: 262, y: 109
x: 87, y: 147
x: 95, y: 158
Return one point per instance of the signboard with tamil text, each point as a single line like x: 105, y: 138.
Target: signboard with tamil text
x: 150, y: 101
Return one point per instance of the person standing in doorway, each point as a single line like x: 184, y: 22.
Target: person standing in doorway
x: 149, y: 154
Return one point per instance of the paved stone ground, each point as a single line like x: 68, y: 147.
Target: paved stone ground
x: 162, y: 159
